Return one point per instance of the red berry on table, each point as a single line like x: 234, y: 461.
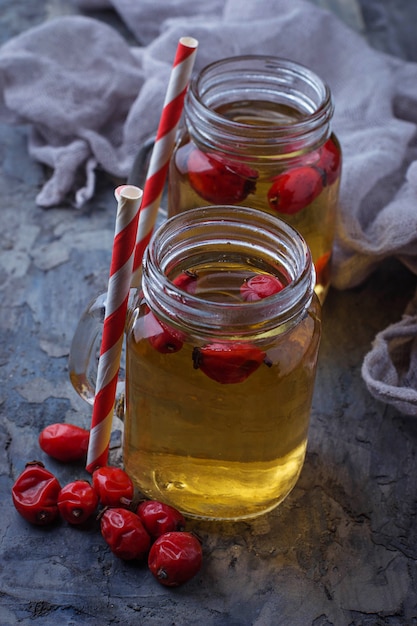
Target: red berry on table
x: 113, y: 486
x: 260, y: 286
x: 329, y: 161
x: 218, y: 180
x: 64, y: 442
x: 295, y: 189
x: 124, y: 533
x: 228, y: 362
x: 162, y: 338
x: 175, y: 558
x: 35, y: 494
x: 77, y: 501
x: 159, y: 518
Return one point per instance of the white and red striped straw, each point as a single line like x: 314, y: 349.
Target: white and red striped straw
x: 133, y: 231
x: 129, y: 198
x: 163, y: 147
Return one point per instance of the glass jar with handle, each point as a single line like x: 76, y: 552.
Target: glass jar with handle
x: 258, y: 132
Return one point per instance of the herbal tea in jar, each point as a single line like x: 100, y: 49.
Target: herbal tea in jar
x: 257, y: 132
x: 221, y: 354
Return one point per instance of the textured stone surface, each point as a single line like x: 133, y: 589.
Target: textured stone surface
x: 341, y: 550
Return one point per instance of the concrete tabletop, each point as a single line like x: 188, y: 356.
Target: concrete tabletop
x: 342, y: 548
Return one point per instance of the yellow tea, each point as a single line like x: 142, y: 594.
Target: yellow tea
x: 218, y: 391
x: 257, y: 134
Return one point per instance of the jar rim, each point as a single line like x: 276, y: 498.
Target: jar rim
x: 278, y: 80
x: 258, y: 230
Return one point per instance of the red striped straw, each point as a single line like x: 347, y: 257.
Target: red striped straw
x: 163, y: 147
x: 129, y: 198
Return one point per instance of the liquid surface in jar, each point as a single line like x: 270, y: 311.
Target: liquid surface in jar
x: 224, y: 280
x: 300, y: 187
x: 219, y: 449
x: 260, y: 112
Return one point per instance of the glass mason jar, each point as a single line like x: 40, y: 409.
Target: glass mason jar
x: 257, y: 132
x: 221, y: 352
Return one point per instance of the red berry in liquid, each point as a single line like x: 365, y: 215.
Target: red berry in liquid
x: 260, y: 286
x: 322, y: 267
x: 187, y: 281
x: 295, y: 189
x: 329, y: 161
x: 228, y: 363
x: 219, y: 181
x: 160, y: 336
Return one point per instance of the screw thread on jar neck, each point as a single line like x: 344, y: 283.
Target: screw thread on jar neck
x: 271, y: 81
x: 219, y: 233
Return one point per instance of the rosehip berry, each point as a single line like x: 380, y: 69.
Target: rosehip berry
x: 175, y: 558
x: 220, y: 181
x: 159, y: 518
x: 35, y: 494
x: 77, y: 501
x: 322, y: 266
x: 329, y: 161
x: 160, y: 336
x: 187, y: 281
x: 295, y: 189
x: 260, y: 286
x: 64, y: 442
x: 228, y: 362
x: 124, y: 533
x: 113, y: 486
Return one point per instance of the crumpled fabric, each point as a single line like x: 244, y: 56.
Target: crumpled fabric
x: 91, y: 99
x: 390, y: 367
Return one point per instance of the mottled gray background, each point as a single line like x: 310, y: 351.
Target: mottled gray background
x: 341, y: 550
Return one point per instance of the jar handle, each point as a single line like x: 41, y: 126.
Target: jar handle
x: 85, y: 350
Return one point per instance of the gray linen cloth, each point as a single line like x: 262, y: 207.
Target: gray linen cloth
x: 91, y: 99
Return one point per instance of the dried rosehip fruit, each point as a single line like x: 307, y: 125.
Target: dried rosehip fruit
x: 219, y: 181
x: 175, y: 558
x: 124, y: 533
x: 187, y: 281
x: 160, y: 336
x: 113, y: 486
x: 159, y: 518
x: 260, y: 286
x: 329, y: 161
x: 295, y: 189
x: 77, y: 501
x: 64, y: 442
x: 228, y: 362
x: 322, y: 267
x: 35, y: 494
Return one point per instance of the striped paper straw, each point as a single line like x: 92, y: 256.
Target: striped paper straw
x: 163, y: 147
x: 121, y: 267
